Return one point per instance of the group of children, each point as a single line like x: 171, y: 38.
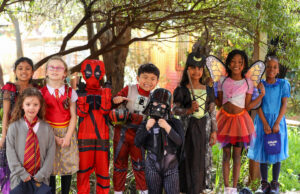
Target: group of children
x: 39, y: 140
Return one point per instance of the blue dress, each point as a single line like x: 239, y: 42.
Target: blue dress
x: 271, y: 104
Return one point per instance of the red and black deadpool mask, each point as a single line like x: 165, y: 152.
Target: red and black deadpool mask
x: 92, y: 71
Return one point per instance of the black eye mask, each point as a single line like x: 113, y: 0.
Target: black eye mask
x: 97, y: 72
x: 88, y: 71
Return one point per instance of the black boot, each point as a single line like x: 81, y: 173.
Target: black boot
x: 264, y: 188
x: 274, y: 187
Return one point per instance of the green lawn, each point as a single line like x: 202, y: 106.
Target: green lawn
x: 289, y: 178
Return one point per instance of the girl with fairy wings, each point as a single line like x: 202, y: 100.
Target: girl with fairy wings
x: 194, y: 103
x: 235, y: 85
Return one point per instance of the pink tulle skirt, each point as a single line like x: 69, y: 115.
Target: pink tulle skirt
x: 233, y: 128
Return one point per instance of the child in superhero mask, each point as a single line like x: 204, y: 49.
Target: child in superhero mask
x: 94, y: 102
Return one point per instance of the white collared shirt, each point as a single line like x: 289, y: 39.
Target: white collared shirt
x: 35, y: 128
x: 61, y: 91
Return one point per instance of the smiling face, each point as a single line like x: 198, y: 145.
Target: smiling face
x: 195, y: 72
x: 56, y: 70
x: 31, y: 106
x: 237, y: 65
x: 147, y: 81
x: 272, y: 69
x: 23, y: 71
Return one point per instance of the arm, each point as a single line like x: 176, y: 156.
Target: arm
x: 82, y: 107
x: 105, y: 100
x: 172, y: 134
x: 14, y: 163
x: 46, y: 170
x: 120, y: 97
x: 266, y: 125
x: 251, y: 104
x: 6, y: 108
x: 141, y: 134
x: 219, y: 99
x: 71, y: 127
x: 281, y: 114
x: 214, y: 128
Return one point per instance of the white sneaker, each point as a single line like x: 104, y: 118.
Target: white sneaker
x: 143, y: 192
x: 234, y: 191
x: 118, y: 192
x: 227, y: 190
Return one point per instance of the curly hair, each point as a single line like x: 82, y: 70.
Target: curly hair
x: 18, y: 111
x: 230, y: 57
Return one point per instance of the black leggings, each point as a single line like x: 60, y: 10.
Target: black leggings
x: 65, y: 184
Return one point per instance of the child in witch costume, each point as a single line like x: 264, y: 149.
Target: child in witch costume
x: 161, y: 135
x: 94, y: 102
x: 136, y: 98
x: 30, y: 142
x: 271, y: 121
x: 194, y: 103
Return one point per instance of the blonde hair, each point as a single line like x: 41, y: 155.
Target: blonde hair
x: 18, y: 111
x: 58, y: 58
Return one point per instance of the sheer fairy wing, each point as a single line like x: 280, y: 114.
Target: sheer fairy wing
x: 256, y: 71
x: 215, y: 67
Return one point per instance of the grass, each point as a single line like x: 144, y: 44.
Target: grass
x: 289, y: 178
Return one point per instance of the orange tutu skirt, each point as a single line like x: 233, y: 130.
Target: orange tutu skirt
x: 233, y: 128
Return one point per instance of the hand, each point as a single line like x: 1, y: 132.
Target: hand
x: 2, y: 140
x: 261, y: 87
x: 108, y: 84
x: 275, y: 128
x: 27, y: 179
x: 209, y: 81
x: 150, y: 124
x: 267, y: 129
x: 194, y: 108
x: 58, y: 140
x: 119, y: 99
x: 66, y: 141
x: 164, y: 124
x: 213, y: 138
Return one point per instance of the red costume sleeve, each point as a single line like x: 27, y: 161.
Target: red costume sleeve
x: 82, y: 106
x: 105, y: 100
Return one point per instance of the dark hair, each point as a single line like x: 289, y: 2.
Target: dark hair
x: 282, y: 68
x: 149, y: 68
x: 185, y: 79
x: 23, y: 59
x: 18, y: 111
x: 270, y: 58
x: 230, y: 57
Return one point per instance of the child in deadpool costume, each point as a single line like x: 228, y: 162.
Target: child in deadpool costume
x: 93, y: 103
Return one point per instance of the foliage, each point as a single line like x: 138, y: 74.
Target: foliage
x: 290, y: 168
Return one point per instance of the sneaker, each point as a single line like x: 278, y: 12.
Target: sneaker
x: 234, y: 191
x: 264, y: 188
x: 227, y: 190
x: 274, y: 187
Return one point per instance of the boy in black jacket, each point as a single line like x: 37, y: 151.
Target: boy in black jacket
x: 161, y: 135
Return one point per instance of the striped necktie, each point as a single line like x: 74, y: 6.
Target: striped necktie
x: 56, y: 94
x: 32, y: 160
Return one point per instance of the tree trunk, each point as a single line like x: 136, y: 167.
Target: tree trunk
x: 15, y: 21
x: 90, y: 33
x: 259, y: 53
x: 115, y: 61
